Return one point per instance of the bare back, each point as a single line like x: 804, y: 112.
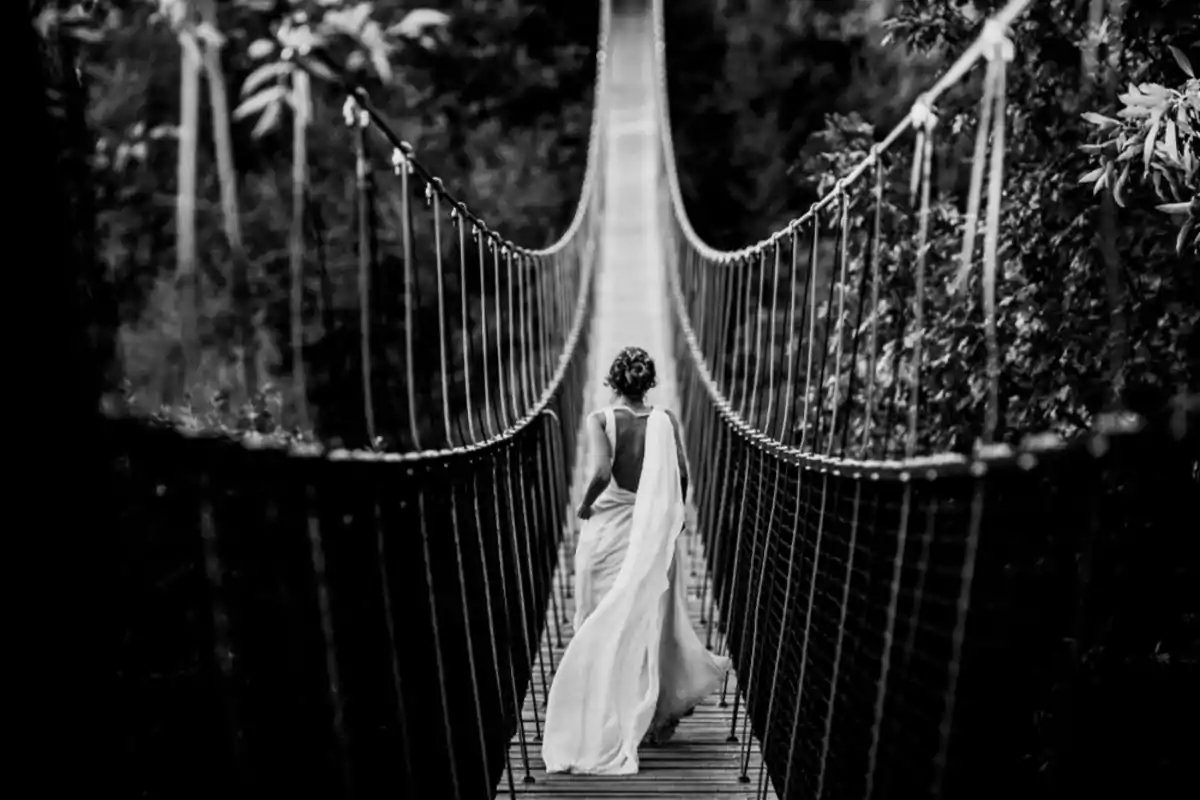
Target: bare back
x: 629, y: 446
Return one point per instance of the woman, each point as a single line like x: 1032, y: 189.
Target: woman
x: 635, y: 665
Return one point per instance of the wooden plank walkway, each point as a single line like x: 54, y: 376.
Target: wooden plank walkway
x: 698, y: 763
x: 631, y: 309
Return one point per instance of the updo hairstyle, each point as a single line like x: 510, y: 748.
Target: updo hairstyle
x: 632, y: 373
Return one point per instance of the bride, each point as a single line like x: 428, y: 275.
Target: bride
x: 635, y: 665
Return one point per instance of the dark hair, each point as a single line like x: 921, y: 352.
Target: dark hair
x: 632, y: 373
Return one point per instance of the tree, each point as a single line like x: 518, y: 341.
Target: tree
x: 305, y: 29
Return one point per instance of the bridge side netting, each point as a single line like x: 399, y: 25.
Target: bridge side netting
x: 361, y: 617
x: 908, y: 625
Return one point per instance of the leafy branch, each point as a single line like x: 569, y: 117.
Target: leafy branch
x: 1160, y: 128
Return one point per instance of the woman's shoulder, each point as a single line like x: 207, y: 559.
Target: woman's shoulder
x: 600, y: 416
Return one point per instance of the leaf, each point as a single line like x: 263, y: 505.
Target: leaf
x: 1133, y: 112
x: 261, y: 48
x: 1174, y: 208
x: 267, y: 122
x: 259, y: 101
x: 1100, y: 120
x: 1182, y: 60
x: 1170, y: 141
x: 321, y: 71
x: 1151, y: 138
x: 1138, y: 100
x: 256, y: 79
x: 379, y: 59
x: 1088, y: 177
x: 1186, y: 229
x: 416, y: 21
x: 1182, y: 121
x: 1119, y: 186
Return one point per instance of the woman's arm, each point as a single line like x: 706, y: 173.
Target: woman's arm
x: 600, y: 466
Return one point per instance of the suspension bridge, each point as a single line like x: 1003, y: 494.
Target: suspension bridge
x: 353, y: 622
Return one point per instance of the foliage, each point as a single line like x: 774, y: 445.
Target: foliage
x: 1160, y: 128
x: 495, y: 96
x: 1069, y: 347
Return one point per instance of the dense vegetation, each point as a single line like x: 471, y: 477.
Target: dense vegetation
x: 788, y: 95
x: 791, y: 94
x: 490, y: 96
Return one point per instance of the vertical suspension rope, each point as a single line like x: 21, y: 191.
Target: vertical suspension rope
x: 466, y: 319
x: 389, y: 618
x: 839, y: 326
x: 403, y: 167
x: 962, y: 609
x: 889, y: 637
x: 513, y: 389
x: 924, y: 122
x: 743, y: 332
x: 769, y: 415
x: 525, y: 322
x: 484, y: 772
x: 760, y: 791
x: 302, y: 106
x: 443, y: 690
x: 752, y: 414
x: 811, y: 310
x: 433, y: 195
x: 488, y: 418
x: 515, y: 693
x: 1002, y: 52
x: 841, y: 636
x: 856, y: 332
x: 713, y: 517
x: 316, y: 551
x: 501, y: 392
x: 359, y: 120
x: 999, y: 51
x: 751, y: 682
x: 544, y: 317
x: 528, y: 639
x: 531, y: 551
x: 790, y: 347
x: 876, y: 272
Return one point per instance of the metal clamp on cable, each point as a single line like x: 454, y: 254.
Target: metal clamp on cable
x: 922, y: 114
x: 995, y: 42
x: 873, y: 154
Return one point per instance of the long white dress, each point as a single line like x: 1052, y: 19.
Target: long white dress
x: 635, y: 664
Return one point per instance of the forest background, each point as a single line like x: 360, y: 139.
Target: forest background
x: 771, y: 100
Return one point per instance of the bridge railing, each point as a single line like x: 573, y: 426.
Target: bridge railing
x: 916, y: 626
x: 349, y: 619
